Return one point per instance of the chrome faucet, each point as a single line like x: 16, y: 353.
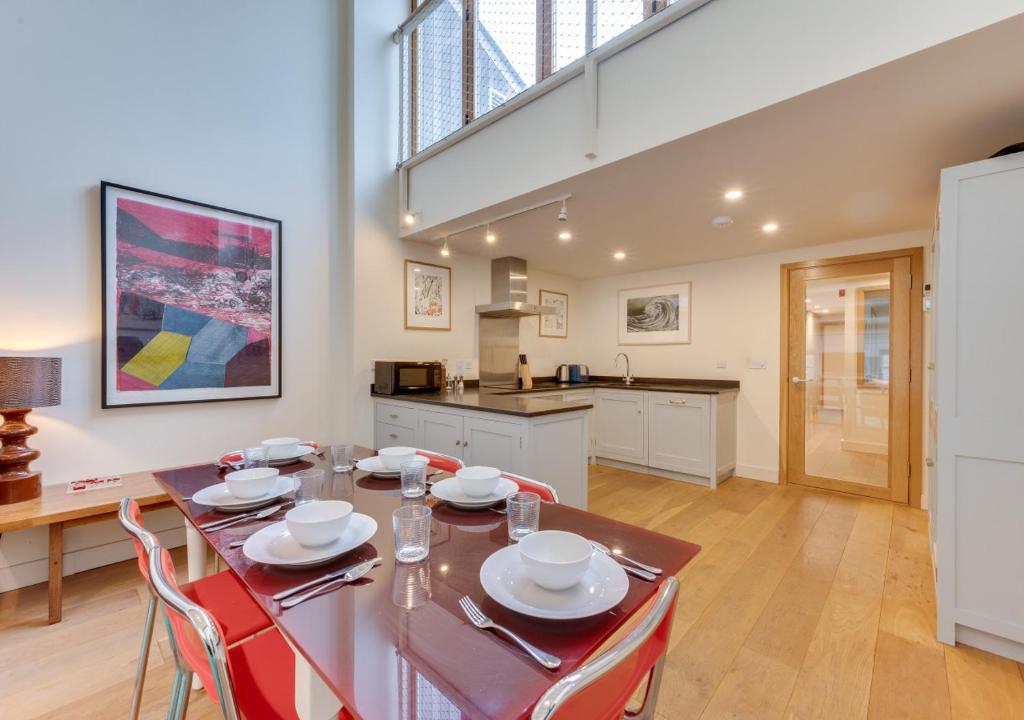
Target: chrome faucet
x: 628, y: 377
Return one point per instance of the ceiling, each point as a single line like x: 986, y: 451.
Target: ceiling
x: 857, y: 158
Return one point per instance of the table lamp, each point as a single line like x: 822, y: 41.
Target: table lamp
x: 25, y: 383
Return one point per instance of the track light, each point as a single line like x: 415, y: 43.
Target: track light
x: 445, y: 250
x: 489, y: 236
x: 409, y: 218
x: 563, y: 214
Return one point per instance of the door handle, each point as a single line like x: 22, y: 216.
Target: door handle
x: 797, y: 380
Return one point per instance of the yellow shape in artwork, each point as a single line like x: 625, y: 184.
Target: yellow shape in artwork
x: 159, y: 358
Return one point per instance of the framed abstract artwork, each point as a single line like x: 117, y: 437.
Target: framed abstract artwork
x: 657, y: 315
x: 555, y: 325
x: 428, y: 296
x: 191, y: 301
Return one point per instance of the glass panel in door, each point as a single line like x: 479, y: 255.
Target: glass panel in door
x: 846, y: 378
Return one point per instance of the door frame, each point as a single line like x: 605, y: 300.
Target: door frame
x: 916, y: 255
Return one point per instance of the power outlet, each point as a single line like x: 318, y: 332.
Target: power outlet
x: 758, y: 364
x: 721, y: 364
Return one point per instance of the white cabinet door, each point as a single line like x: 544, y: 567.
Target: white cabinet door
x: 388, y: 435
x: 494, y: 443
x: 621, y: 425
x: 678, y: 433
x: 440, y: 432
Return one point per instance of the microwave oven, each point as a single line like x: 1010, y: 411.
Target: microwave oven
x: 399, y: 377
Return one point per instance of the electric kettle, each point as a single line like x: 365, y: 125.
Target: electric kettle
x: 562, y: 373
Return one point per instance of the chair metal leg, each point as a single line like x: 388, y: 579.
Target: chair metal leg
x: 183, y: 695
x: 172, y: 703
x: 646, y: 711
x: 140, y: 666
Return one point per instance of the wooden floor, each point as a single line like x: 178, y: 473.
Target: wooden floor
x: 802, y: 604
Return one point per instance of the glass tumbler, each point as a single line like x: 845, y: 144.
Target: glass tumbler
x: 341, y: 457
x: 308, y: 485
x: 414, y: 478
x: 256, y: 457
x: 523, y: 509
x: 412, y: 533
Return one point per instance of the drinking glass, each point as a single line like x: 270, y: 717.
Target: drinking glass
x: 341, y: 457
x: 256, y: 457
x: 411, y: 587
x: 412, y: 533
x: 414, y: 478
x: 308, y: 484
x: 523, y: 510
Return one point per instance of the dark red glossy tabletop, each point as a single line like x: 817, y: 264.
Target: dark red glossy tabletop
x: 397, y: 641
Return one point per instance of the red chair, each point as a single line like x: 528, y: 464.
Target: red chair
x: 223, y: 594
x: 441, y: 461
x: 601, y: 689
x: 254, y: 680
x: 546, y: 492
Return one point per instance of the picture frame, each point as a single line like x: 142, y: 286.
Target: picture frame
x: 656, y: 315
x: 557, y: 325
x: 191, y: 301
x: 428, y: 296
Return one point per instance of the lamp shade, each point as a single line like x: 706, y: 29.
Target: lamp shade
x: 29, y: 382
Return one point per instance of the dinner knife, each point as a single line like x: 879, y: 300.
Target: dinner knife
x: 351, y: 576
x: 254, y: 515
x: 317, y: 581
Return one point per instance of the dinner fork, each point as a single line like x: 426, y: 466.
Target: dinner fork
x: 477, y: 617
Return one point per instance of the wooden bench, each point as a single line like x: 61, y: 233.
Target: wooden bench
x: 58, y: 510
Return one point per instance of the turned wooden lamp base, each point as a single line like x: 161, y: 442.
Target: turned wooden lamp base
x: 17, y: 481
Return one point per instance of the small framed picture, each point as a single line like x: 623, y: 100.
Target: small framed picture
x: 428, y: 296
x: 555, y: 325
x: 657, y: 315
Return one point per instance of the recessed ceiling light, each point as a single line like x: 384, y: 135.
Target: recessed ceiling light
x: 565, y: 235
x: 770, y: 227
x: 824, y: 311
x: 489, y: 236
x: 721, y: 221
x: 409, y: 218
x: 807, y: 300
x: 734, y: 194
x: 817, y: 307
x: 619, y: 255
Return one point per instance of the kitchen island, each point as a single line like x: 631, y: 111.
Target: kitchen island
x: 547, y: 439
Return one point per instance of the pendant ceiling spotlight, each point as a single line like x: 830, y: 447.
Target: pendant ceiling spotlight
x: 563, y: 214
x: 489, y: 236
x: 445, y: 250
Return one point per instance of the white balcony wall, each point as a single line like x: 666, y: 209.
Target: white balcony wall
x: 724, y: 60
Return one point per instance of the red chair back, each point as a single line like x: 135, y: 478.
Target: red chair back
x: 441, y: 461
x: 601, y: 689
x: 546, y: 492
x: 185, y: 619
x: 130, y: 517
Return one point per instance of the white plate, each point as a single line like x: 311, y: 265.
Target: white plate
x: 375, y: 466
x: 450, y: 491
x: 217, y: 496
x: 603, y: 586
x: 274, y: 545
x: 304, y: 450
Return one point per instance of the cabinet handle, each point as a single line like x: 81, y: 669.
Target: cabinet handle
x: 465, y: 443
x: 393, y: 416
x: 929, y: 462
x: 639, y: 412
x: 676, y: 402
x: 392, y: 436
x: 458, y: 442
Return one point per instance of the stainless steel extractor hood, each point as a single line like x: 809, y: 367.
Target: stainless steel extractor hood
x: 508, y: 292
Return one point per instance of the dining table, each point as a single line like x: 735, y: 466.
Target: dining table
x: 396, y: 645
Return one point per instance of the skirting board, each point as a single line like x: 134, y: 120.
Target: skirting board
x: 990, y: 643
x: 755, y: 472
x: 740, y: 471
x: 88, y: 555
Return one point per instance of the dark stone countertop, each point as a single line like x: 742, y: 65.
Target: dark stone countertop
x: 500, y: 403
x: 697, y: 387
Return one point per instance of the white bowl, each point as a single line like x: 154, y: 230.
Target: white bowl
x: 393, y: 457
x: 252, y: 482
x: 281, y: 447
x: 478, y: 480
x: 318, y: 523
x: 555, y: 559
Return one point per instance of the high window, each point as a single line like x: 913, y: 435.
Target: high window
x: 464, y: 58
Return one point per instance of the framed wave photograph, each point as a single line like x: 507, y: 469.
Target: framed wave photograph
x: 428, y: 296
x: 658, y: 315
x: 555, y: 325
x: 191, y: 301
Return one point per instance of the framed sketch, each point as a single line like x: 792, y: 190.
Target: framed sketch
x: 191, y: 301
x: 428, y: 296
x: 556, y: 325
x: 657, y: 315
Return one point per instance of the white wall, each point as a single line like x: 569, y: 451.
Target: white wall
x: 736, y: 319
x: 729, y: 58
x: 233, y: 103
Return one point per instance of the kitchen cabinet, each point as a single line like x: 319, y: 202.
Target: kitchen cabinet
x: 620, y: 425
x: 552, y: 448
x: 683, y: 436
